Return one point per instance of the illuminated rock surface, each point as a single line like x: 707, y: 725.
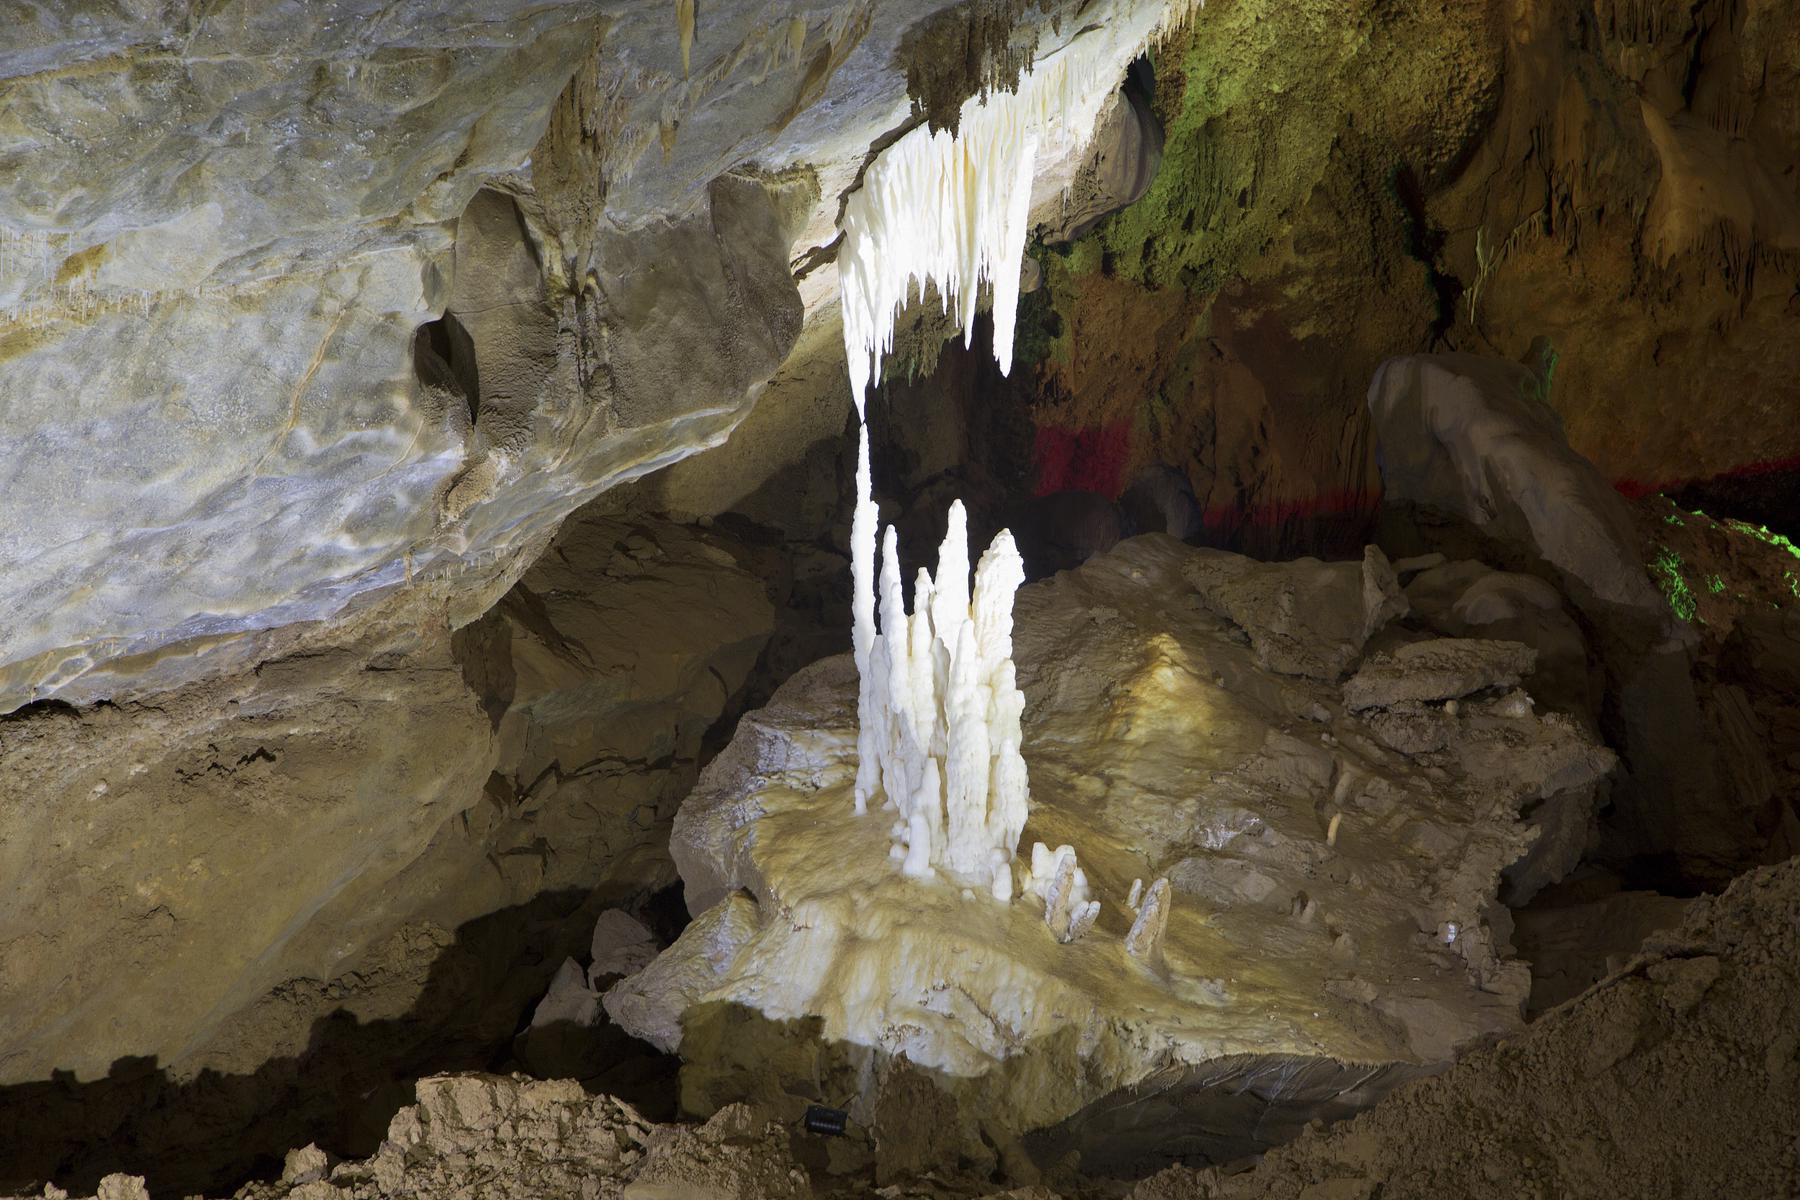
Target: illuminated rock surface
x: 1687, y: 1051
x: 332, y: 867
x: 1333, y: 901
x: 225, y: 230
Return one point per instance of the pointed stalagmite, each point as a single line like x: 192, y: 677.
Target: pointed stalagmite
x: 1144, y: 941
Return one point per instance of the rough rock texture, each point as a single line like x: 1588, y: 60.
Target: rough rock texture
x: 1469, y: 599
x: 1615, y: 180
x: 1157, y: 746
x: 260, y: 899
x: 516, y: 1139
x: 1677, y: 1076
x: 1574, y: 944
x: 1303, y: 617
x: 1344, y: 182
x: 1439, y: 669
x: 168, y: 866
x: 1473, y: 456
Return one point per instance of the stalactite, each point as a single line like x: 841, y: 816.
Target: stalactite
x: 939, y: 708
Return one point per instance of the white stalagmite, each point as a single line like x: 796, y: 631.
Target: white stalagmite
x: 1056, y: 878
x: 939, y: 705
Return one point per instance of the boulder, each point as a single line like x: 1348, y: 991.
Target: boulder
x: 621, y: 945
x: 1159, y: 746
x: 1474, y: 457
x: 1304, y: 617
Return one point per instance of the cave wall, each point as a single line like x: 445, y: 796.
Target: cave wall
x: 1607, y: 188
x: 1610, y: 185
x: 246, y: 911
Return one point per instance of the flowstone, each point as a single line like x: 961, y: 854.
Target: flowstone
x: 1328, y: 926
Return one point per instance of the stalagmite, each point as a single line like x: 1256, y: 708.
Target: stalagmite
x: 938, y: 704
x: 1056, y: 878
x: 1144, y: 941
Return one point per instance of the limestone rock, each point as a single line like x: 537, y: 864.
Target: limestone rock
x: 282, y: 912
x: 305, y: 1165
x: 1575, y: 945
x: 1442, y: 669
x: 264, y: 865
x: 559, y: 1042
x: 650, y: 1003
x: 1121, y: 163
x: 734, y: 1156
x: 1131, y: 704
x: 1303, y: 617
x: 1474, y: 442
x: 1476, y: 438
x: 621, y: 945
x: 1470, y: 599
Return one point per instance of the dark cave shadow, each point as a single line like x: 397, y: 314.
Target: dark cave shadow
x: 212, y: 1132
x: 927, y: 1121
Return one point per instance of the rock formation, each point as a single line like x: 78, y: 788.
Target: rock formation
x: 372, y: 605
x: 322, y: 874
x: 1161, y: 747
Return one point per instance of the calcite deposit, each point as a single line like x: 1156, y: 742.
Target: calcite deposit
x: 1331, y: 901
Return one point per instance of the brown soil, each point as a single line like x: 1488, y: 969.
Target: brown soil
x: 1678, y: 1076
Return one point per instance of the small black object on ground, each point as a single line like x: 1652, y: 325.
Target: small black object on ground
x: 828, y: 1121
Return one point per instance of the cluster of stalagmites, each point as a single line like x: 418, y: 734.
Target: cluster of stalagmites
x: 939, y: 711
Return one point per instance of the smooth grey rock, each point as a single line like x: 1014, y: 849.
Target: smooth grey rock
x: 621, y: 946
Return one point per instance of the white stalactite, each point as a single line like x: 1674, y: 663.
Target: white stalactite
x: 938, y: 705
x: 954, y: 209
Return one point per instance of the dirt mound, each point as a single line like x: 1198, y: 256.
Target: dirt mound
x: 1678, y: 1076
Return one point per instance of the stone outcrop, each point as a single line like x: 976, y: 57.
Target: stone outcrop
x: 278, y: 866
x: 1474, y: 459
x: 1158, y: 745
x: 1303, y: 617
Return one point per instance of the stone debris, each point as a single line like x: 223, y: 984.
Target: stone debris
x: 1435, y: 671
x: 1304, y: 617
